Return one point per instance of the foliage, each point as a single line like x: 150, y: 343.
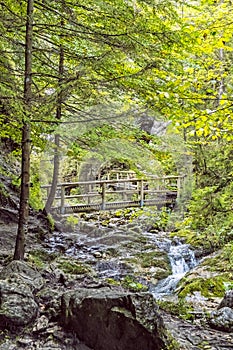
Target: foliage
x: 73, y: 267
x: 172, y: 343
x: 223, y: 262
x: 181, y: 308
x: 35, y: 193
x: 133, y: 285
x: 72, y: 220
x: 209, y: 287
x: 40, y: 258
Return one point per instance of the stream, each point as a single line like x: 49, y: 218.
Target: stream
x: 182, y: 260
x: 93, y: 247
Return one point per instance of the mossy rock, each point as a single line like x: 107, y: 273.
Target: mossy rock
x: 179, y: 307
x: 73, y: 267
x: 208, y: 287
x: 160, y: 273
x: 222, y: 262
x: 40, y: 258
x: 154, y: 258
x: 133, y: 285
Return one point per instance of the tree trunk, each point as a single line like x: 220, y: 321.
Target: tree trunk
x: 56, y: 159
x: 25, y: 161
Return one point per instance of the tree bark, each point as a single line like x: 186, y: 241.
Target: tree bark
x: 25, y: 159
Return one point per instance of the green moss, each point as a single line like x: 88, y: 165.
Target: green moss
x: 161, y: 274
x: 40, y: 258
x: 112, y: 282
x: 209, y: 287
x: 72, y: 221
x: 154, y: 258
x: 133, y: 285
x: 181, y: 308
x: 191, y: 237
x: 146, y: 260
x: 223, y: 262
x: 73, y: 267
x: 51, y: 222
x: 172, y: 343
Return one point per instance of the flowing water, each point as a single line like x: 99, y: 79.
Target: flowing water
x: 182, y: 259
x: 86, y: 247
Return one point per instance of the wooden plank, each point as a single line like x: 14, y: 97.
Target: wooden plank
x: 164, y: 192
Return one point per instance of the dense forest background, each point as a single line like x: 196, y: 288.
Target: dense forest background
x: 78, y: 79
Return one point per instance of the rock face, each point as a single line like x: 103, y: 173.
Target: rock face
x: 222, y: 318
x: 106, y: 319
x: 25, y: 273
x: 17, y: 305
x: 227, y: 300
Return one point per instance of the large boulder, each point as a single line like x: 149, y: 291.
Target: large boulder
x: 227, y: 300
x: 105, y: 319
x: 17, y: 304
x: 222, y: 319
x: 18, y: 282
x: 26, y: 273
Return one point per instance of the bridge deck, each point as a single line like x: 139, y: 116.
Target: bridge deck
x: 75, y: 197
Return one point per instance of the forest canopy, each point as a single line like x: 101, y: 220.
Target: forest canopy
x: 79, y: 76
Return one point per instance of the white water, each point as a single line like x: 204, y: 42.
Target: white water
x: 182, y: 260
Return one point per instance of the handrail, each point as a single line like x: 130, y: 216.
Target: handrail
x: 100, y: 189
x: 114, y: 180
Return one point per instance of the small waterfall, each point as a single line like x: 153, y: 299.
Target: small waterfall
x: 182, y: 259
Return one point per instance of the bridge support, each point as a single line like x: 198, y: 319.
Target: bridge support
x: 141, y: 193
x: 62, y: 207
x: 103, y: 195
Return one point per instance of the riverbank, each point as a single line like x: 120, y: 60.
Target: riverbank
x: 94, y: 256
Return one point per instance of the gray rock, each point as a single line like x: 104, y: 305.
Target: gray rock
x: 105, y: 319
x: 152, y: 126
x: 8, y: 215
x: 8, y: 345
x: 27, y: 274
x: 227, y: 300
x: 17, y: 304
x: 222, y: 319
x: 41, y: 324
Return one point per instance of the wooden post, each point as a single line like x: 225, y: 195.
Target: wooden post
x: 141, y: 193
x: 124, y: 196
x: 103, y: 195
x: 62, y: 208
x: 178, y: 186
x: 89, y: 190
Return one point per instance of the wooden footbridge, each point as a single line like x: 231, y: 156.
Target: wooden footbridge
x: 86, y: 196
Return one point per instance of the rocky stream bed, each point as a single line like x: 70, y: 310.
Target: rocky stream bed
x: 103, y: 285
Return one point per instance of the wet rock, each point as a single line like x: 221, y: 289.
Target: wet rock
x: 227, y: 300
x: 8, y: 345
x: 27, y: 274
x: 17, y: 284
x: 106, y: 319
x: 8, y: 215
x: 41, y: 324
x: 17, y: 304
x: 222, y: 319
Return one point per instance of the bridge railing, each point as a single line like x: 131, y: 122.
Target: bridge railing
x: 119, y: 192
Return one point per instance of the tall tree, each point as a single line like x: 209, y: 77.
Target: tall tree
x: 25, y: 165
x: 56, y: 159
